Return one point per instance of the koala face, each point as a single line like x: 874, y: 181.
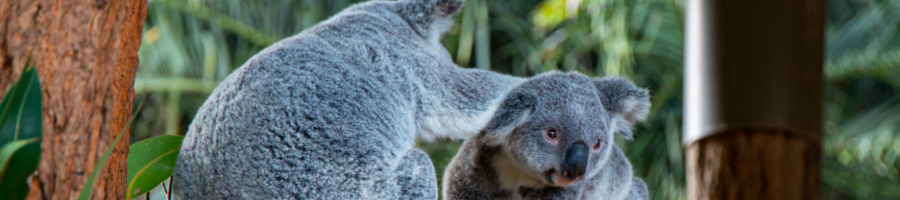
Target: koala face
x: 558, y: 127
x: 566, y: 134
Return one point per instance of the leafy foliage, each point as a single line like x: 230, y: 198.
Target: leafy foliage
x: 862, y: 147
x: 20, y: 131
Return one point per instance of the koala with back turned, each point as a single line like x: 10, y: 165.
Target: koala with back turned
x: 552, y: 138
x: 334, y: 111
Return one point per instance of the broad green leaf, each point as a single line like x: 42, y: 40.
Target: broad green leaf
x: 9, y: 149
x: 22, y: 164
x: 150, y: 162
x: 20, y: 117
x: 20, y: 126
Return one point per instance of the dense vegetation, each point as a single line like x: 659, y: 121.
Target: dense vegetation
x: 189, y: 46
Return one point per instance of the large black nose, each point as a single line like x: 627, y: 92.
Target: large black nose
x: 576, y: 161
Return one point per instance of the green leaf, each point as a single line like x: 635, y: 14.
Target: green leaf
x: 22, y: 163
x: 20, y: 118
x: 150, y: 162
x: 21, y: 114
x: 9, y: 149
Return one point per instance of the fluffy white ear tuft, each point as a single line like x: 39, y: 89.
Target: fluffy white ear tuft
x: 438, y: 8
x: 430, y: 18
x: 626, y: 103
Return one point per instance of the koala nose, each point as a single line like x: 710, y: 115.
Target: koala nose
x: 576, y: 161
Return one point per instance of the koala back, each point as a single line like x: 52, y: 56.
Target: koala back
x: 333, y: 112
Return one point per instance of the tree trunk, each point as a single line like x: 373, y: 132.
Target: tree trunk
x: 754, y: 164
x: 86, y: 57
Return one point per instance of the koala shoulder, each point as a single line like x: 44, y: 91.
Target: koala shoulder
x: 466, y: 178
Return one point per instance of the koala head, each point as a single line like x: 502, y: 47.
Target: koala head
x: 429, y: 19
x: 557, y: 128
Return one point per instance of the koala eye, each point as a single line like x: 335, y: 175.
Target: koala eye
x: 597, y: 145
x: 550, y: 136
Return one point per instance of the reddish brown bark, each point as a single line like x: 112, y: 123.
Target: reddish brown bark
x: 86, y: 56
x: 753, y: 164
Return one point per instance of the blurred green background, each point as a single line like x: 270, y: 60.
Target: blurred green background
x: 191, y: 45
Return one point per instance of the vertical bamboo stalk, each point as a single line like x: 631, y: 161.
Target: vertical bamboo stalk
x: 482, y: 36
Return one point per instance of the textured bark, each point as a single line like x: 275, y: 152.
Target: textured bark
x: 753, y: 164
x: 86, y: 56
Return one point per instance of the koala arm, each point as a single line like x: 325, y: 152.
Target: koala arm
x: 458, y: 102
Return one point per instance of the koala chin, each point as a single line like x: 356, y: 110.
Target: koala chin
x: 552, y: 138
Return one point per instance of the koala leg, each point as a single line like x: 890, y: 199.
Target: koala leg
x: 416, y: 177
x: 638, y: 190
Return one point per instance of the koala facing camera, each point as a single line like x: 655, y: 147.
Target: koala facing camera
x: 552, y: 138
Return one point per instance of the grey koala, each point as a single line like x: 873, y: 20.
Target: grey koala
x: 552, y: 138
x: 334, y: 111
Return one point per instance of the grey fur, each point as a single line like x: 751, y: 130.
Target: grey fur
x: 333, y: 112
x: 512, y: 159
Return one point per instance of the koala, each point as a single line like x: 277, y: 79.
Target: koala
x: 334, y: 111
x: 552, y: 138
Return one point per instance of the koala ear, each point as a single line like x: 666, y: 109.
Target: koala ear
x: 626, y: 103
x: 437, y: 8
x: 430, y: 18
x: 512, y: 113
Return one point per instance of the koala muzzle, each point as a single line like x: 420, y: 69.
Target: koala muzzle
x: 576, y: 161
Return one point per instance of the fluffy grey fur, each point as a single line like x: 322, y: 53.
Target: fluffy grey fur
x: 514, y: 158
x: 333, y: 112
